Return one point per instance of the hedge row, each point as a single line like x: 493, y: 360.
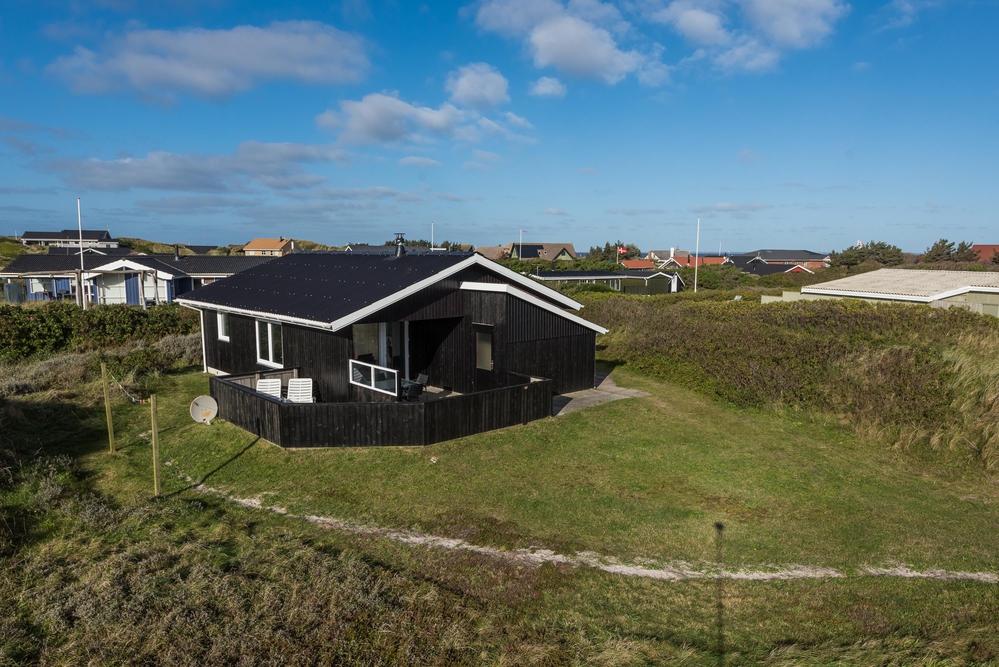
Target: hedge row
x: 907, y: 373
x: 27, y: 332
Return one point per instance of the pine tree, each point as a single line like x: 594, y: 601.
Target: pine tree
x: 941, y: 251
x: 964, y: 253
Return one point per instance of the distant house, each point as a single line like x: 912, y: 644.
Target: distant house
x: 761, y: 269
x: 269, y: 247
x: 676, y: 258
x: 197, y: 249
x: 107, y: 252
x: 133, y: 279
x: 985, y: 252
x: 545, y: 252
x: 493, y: 252
x: 645, y: 283
x: 71, y: 238
x: 641, y: 264
x: 975, y: 290
x: 805, y: 258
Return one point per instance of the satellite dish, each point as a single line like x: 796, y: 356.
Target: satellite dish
x: 204, y: 409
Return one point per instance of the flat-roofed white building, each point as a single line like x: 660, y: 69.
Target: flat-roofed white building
x: 975, y: 290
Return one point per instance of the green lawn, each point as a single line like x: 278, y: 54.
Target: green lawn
x: 177, y: 580
x: 639, y: 478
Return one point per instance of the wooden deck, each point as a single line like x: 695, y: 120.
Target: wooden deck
x: 376, y: 424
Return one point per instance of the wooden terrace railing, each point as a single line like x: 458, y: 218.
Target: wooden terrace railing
x: 376, y: 424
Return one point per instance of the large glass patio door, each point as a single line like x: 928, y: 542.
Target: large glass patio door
x: 383, y: 343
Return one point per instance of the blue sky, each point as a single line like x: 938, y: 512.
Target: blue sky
x: 781, y: 123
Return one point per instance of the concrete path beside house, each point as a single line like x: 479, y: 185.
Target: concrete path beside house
x: 605, y: 391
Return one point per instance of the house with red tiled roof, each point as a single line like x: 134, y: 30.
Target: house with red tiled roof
x: 985, y: 251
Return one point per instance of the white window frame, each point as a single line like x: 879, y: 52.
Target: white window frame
x: 225, y: 337
x: 270, y: 337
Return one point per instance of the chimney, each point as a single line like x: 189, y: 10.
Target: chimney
x: 400, y: 248
x: 293, y: 246
x: 176, y: 253
x: 671, y: 251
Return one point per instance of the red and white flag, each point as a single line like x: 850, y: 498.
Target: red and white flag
x: 622, y: 250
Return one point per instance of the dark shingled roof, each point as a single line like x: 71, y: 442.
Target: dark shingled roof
x: 107, y: 252
x: 55, y: 263
x: 194, y: 265
x: 214, y: 265
x: 780, y: 256
x: 322, y: 286
x: 69, y: 235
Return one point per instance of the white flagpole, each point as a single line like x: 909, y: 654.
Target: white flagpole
x: 79, y: 223
x: 697, y: 252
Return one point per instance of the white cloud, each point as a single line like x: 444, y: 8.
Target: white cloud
x: 749, y: 55
x: 548, y: 86
x: 479, y: 86
x: 186, y: 205
x: 328, y: 120
x: 797, y: 24
x: 416, y: 161
x: 275, y: 165
x: 380, y: 118
x: 498, y: 130
x: 515, y: 17
x: 575, y: 39
x: 581, y: 49
x: 447, y: 196
x: 695, y: 23
x: 215, y: 64
x: 748, y: 156
x: 485, y: 156
x: 736, y: 210
x: 635, y: 211
x: 753, y: 38
x: 518, y: 121
x: 476, y: 166
x: 552, y: 210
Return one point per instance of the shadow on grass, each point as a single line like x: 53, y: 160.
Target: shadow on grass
x: 217, y: 468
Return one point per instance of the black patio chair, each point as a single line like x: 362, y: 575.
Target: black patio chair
x: 422, y: 379
x: 413, y: 392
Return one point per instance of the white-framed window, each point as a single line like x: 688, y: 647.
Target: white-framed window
x: 223, y: 327
x: 270, y: 351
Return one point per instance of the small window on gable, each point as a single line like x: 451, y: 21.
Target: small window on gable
x: 484, y: 350
x: 223, y: 326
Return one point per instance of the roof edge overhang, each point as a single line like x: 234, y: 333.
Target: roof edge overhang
x: 200, y: 305
x: 470, y: 286
x: 381, y: 304
x: 900, y: 297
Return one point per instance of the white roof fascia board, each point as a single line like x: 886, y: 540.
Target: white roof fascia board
x: 524, y: 296
x: 869, y: 295
x: 357, y: 315
x: 902, y: 297
x: 135, y: 266
x: 198, y: 305
x: 547, y: 292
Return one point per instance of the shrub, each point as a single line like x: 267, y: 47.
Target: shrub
x: 54, y: 327
x: 910, y: 374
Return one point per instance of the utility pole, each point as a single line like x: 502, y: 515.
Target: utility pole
x: 697, y: 252
x: 156, y: 446
x: 431, y: 234
x: 107, y: 405
x: 520, y: 256
x: 79, y: 224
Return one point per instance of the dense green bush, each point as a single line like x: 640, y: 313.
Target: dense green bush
x: 902, y: 373
x: 54, y: 327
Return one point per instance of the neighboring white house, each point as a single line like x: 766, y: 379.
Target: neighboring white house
x: 71, y: 238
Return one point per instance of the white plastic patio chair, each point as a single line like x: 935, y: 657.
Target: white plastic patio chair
x: 271, y: 387
x: 300, y: 390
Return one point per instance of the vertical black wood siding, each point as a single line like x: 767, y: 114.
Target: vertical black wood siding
x: 323, y: 356
x: 379, y: 424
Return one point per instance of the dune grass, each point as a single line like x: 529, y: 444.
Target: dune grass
x: 635, y: 478
x: 98, y: 572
